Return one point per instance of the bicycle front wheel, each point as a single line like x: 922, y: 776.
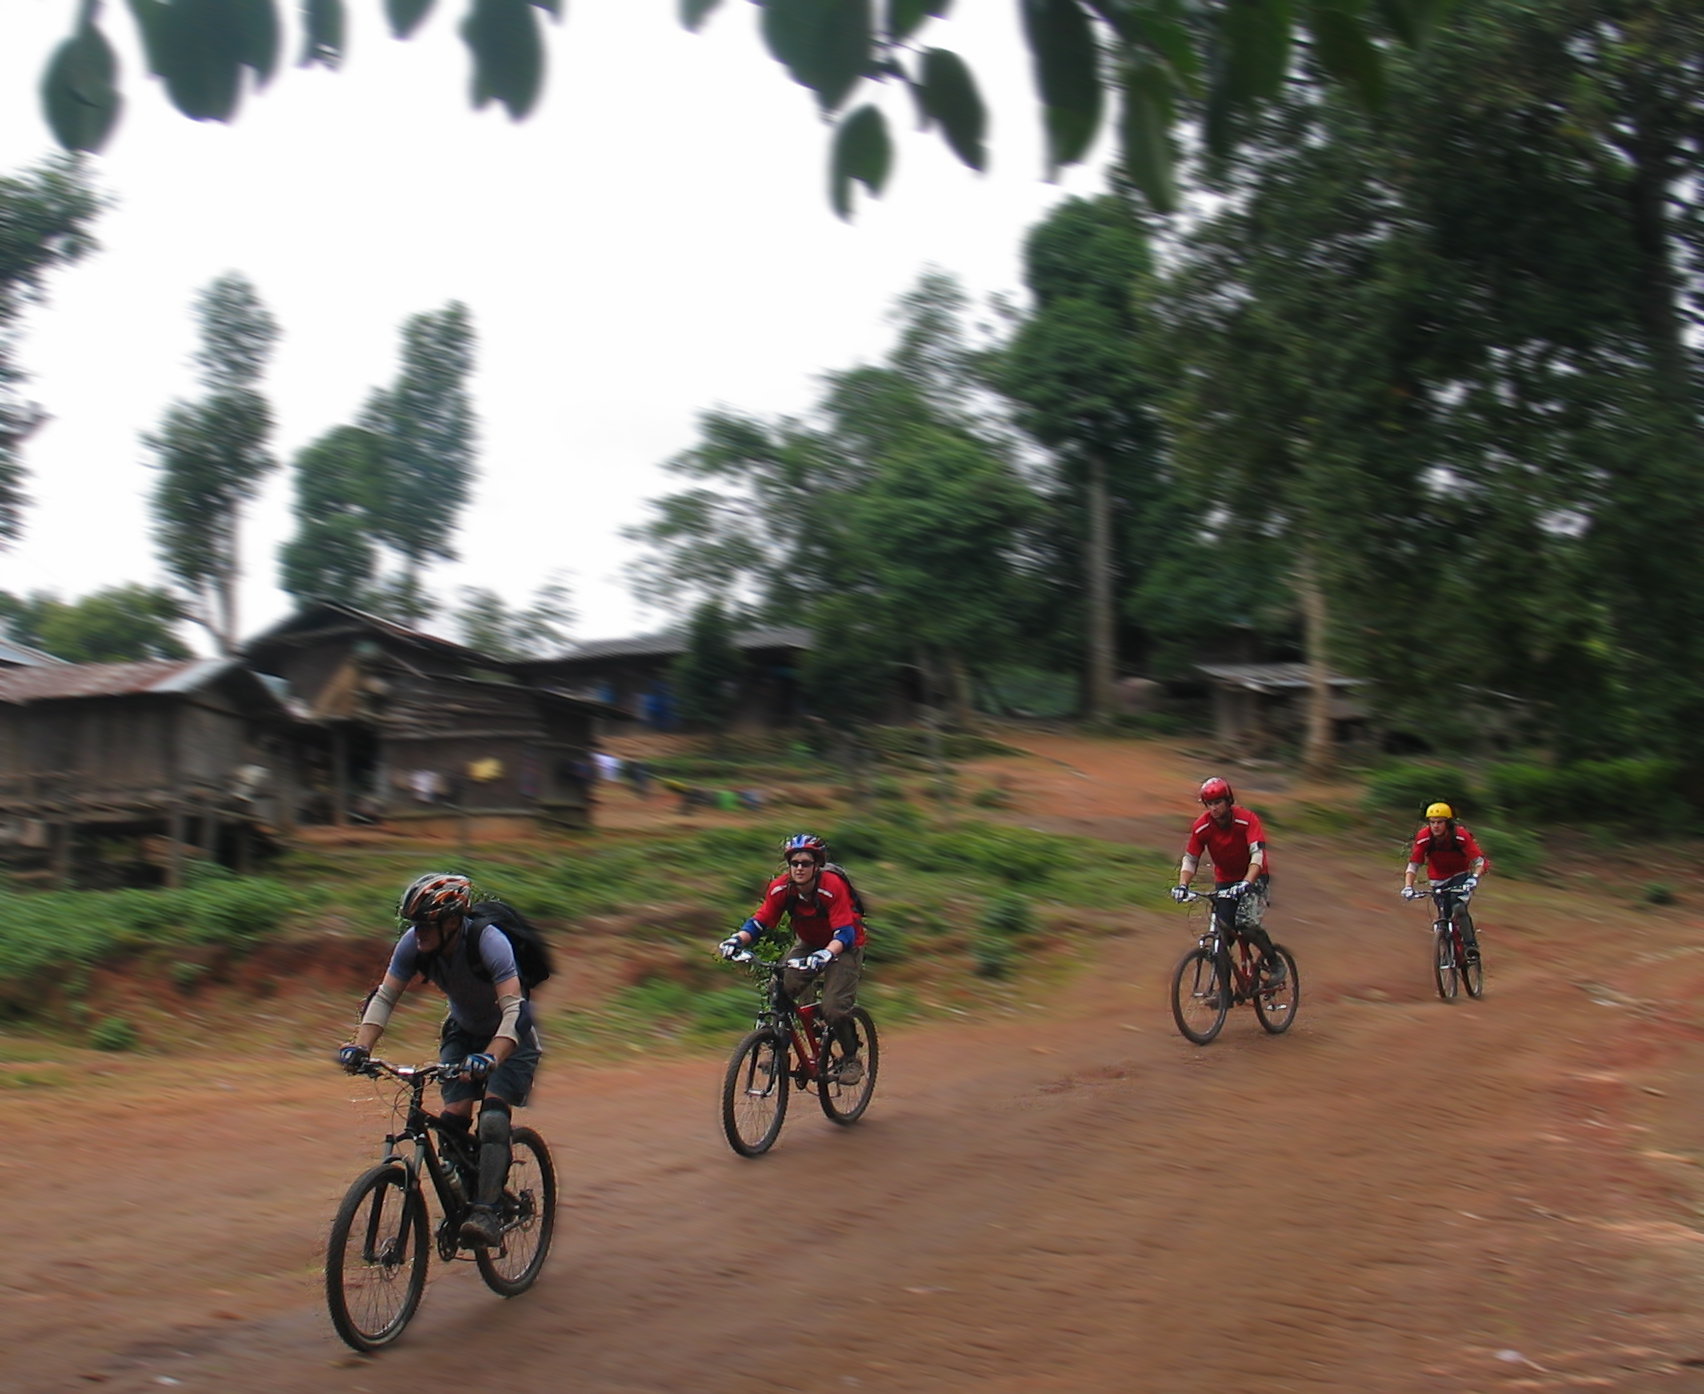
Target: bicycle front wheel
x: 375, y: 1261
x: 1445, y: 970
x: 527, y: 1215
x: 1472, y: 966
x: 845, y: 1102
x: 1200, y: 995
x: 1276, y: 1006
x: 754, y: 1093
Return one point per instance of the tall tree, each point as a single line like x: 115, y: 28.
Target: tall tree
x: 45, y: 219
x: 425, y: 427
x: 705, y: 675
x: 212, y: 456
x: 340, y: 489
x: 1076, y: 369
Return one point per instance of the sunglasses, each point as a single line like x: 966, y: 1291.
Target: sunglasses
x: 801, y: 861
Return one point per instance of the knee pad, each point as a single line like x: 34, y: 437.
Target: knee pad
x: 494, y: 1121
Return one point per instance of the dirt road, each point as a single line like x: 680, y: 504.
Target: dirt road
x: 1398, y: 1195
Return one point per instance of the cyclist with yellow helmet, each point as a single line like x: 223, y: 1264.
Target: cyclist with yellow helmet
x: 1453, y: 863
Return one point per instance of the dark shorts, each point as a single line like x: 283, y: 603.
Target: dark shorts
x: 511, y: 1081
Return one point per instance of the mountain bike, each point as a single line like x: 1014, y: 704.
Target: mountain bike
x: 791, y: 1047
x: 375, y: 1261
x: 1223, y: 971
x: 1452, y: 932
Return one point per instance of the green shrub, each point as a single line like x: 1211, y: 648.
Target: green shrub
x: 114, y: 1033
x: 991, y: 955
x: 1589, y: 791
x: 1013, y: 854
x: 1008, y: 916
x: 858, y: 838
x: 1513, y: 851
x: 1408, y: 786
x: 1658, y: 893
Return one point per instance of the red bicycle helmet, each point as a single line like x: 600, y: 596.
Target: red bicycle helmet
x: 434, y: 894
x: 1216, y: 788
x: 805, y: 842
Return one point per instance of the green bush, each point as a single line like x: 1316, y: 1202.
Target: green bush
x: 991, y: 955
x: 1008, y: 916
x: 1513, y: 852
x: 114, y: 1033
x: 1408, y: 786
x: 1013, y: 854
x: 1589, y: 791
x: 1658, y: 893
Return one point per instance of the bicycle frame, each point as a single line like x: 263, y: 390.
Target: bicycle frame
x: 798, y: 1020
x: 418, y: 1128
x: 1235, y: 950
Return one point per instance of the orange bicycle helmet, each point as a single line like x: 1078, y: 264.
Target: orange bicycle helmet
x: 434, y: 894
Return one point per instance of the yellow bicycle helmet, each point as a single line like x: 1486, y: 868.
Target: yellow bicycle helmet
x: 1439, y: 810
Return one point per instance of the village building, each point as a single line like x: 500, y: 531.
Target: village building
x: 176, y: 756
x: 423, y: 732
x: 1257, y: 704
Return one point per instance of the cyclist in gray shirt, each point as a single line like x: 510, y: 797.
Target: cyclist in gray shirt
x: 489, y: 1031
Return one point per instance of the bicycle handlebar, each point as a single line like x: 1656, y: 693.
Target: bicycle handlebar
x: 773, y: 964
x: 375, y: 1068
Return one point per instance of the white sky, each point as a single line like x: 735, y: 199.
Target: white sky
x: 654, y: 240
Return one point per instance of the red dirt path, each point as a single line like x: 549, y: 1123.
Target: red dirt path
x: 1398, y: 1195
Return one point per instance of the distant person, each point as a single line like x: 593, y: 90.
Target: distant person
x: 488, y: 1032
x: 1453, y: 864
x: 828, y: 933
x: 639, y: 776
x: 1232, y: 839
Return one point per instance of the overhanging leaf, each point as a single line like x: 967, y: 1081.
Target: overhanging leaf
x: 1255, y: 44
x: 825, y: 45
x: 693, y: 12
x: 947, y: 93
x: 1146, y: 133
x: 405, y: 15
x: 1341, y: 45
x: 77, y: 92
x: 508, y: 54
x: 904, y: 17
x: 258, y: 36
x: 1067, y: 73
x: 862, y: 151
x: 324, y: 24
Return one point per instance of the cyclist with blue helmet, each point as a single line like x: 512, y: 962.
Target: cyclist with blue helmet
x: 828, y: 933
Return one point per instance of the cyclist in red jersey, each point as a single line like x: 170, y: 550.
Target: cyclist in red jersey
x: 1453, y: 862
x: 828, y: 934
x: 1233, y: 840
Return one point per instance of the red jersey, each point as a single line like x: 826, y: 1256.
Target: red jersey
x: 1228, y: 848
x: 816, y: 915
x: 1445, y: 856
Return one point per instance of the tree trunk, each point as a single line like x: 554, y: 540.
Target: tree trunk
x: 1102, y: 655
x: 1318, y: 755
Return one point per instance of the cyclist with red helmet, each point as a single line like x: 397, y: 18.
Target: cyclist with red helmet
x: 1453, y: 864
x: 828, y: 933
x: 488, y: 1032
x: 1233, y: 840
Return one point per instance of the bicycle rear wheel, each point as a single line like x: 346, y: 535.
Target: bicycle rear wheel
x: 527, y: 1214
x: 754, y: 1092
x: 845, y: 1103
x: 1200, y: 995
x: 1276, y: 1006
x: 1472, y: 966
x: 1445, y: 970
x: 375, y: 1260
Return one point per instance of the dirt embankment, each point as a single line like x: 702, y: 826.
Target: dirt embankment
x: 1397, y: 1195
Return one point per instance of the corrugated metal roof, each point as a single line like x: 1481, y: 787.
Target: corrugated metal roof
x: 661, y: 645
x: 157, y: 675
x: 23, y: 656
x: 1269, y: 677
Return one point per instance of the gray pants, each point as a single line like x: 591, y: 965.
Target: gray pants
x: 839, y: 982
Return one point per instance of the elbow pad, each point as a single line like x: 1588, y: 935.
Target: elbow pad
x: 753, y: 928
x: 847, y: 936
x: 379, y: 1005
x: 510, y: 1005
x: 1188, y: 864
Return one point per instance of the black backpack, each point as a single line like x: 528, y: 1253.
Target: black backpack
x: 846, y: 876
x: 532, y: 954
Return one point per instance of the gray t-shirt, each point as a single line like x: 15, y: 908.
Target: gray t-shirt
x: 473, y: 999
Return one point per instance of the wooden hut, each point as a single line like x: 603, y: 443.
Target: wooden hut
x: 1255, y: 703
x: 198, y: 751
x: 421, y: 730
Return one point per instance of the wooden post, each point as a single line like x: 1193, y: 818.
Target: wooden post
x: 174, y: 838
x: 60, y: 838
x: 339, y: 783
